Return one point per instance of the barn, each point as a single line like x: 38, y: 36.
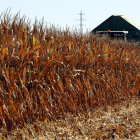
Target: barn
x: 119, y: 26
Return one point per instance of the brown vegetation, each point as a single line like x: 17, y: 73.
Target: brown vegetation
x: 47, y: 73
x: 118, y: 121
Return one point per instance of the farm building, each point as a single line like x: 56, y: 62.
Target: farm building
x: 119, y: 26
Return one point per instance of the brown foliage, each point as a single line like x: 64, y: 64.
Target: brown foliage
x: 45, y: 74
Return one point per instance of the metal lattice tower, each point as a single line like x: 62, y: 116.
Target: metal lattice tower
x: 81, y: 20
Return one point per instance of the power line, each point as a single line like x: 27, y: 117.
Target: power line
x: 81, y: 20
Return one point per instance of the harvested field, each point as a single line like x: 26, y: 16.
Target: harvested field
x: 119, y: 121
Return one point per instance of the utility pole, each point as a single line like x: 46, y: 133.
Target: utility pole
x: 81, y: 19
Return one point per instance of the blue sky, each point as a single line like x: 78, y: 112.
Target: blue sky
x: 63, y: 12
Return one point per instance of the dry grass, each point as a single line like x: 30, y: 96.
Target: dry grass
x: 46, y: 74
x: 119, y: 121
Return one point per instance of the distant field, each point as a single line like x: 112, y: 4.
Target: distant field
x: 46, y: 74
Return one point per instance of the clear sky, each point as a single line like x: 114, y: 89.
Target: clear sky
x: 65, y: 12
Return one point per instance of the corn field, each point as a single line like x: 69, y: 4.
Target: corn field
x: 47, y: 73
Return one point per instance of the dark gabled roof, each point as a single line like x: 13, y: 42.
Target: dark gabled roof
x: 117, y: 23
x: 131, y: 22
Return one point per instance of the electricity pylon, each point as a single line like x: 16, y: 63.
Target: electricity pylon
x: 81, y: 20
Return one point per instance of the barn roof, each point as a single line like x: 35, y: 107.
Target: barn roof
x: 131, y: 22
x: 117, y: 23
